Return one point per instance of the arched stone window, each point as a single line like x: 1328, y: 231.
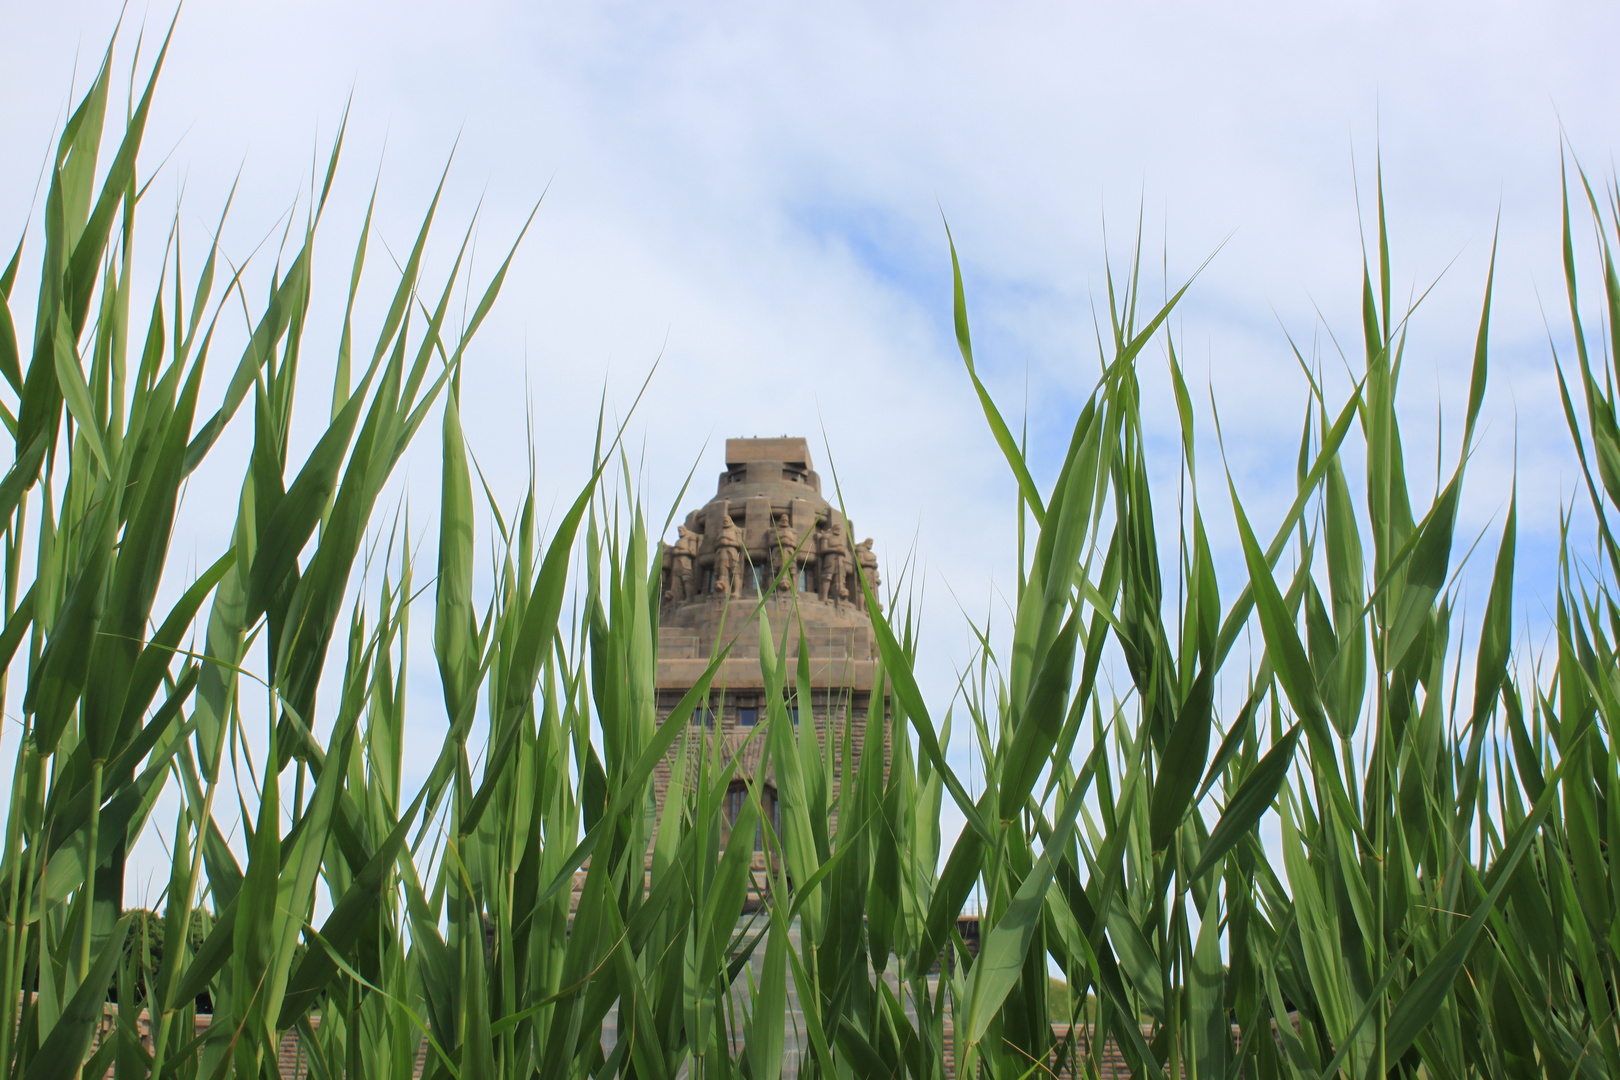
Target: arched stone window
x: 737, y: 796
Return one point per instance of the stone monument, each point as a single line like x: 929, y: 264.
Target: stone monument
x: 768, y: 532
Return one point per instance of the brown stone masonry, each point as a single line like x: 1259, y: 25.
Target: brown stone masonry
x: 767, y: 532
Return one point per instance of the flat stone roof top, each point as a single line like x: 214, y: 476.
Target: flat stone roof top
x: 789, y: 450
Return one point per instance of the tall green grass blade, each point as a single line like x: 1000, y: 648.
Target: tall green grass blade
x: 68, y: 1041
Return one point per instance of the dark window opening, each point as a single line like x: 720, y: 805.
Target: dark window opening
x: 768, y: 806
x: 737, y: 796
x: 748, y: 717
x: 736, y: 799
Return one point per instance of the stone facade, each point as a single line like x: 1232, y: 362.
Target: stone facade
x: 768, y: 532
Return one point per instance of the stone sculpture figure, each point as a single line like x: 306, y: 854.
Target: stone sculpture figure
x: 681, y: 554
x: 866, y: 560
x: 784, y: 552
x: 728, y: 559
x: 832, y: 559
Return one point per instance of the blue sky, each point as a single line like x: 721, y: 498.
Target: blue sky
x: 754, y: 192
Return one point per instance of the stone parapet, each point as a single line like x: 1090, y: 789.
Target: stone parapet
x: 743, y: 673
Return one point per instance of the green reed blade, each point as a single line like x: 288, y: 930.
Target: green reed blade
x: 1041, y: 720
x: 65, y: 1045
x: 1254, y: 796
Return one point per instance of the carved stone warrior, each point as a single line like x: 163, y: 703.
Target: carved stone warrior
x: 681, y: 554
x: 728, y: 559
x: 784, y: 553
x: 866, y: 559
x: 832, y: 559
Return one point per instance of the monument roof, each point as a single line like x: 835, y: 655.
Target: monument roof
x: 789, y: 450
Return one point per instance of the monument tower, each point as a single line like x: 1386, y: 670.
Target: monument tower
x: 768, y: 529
